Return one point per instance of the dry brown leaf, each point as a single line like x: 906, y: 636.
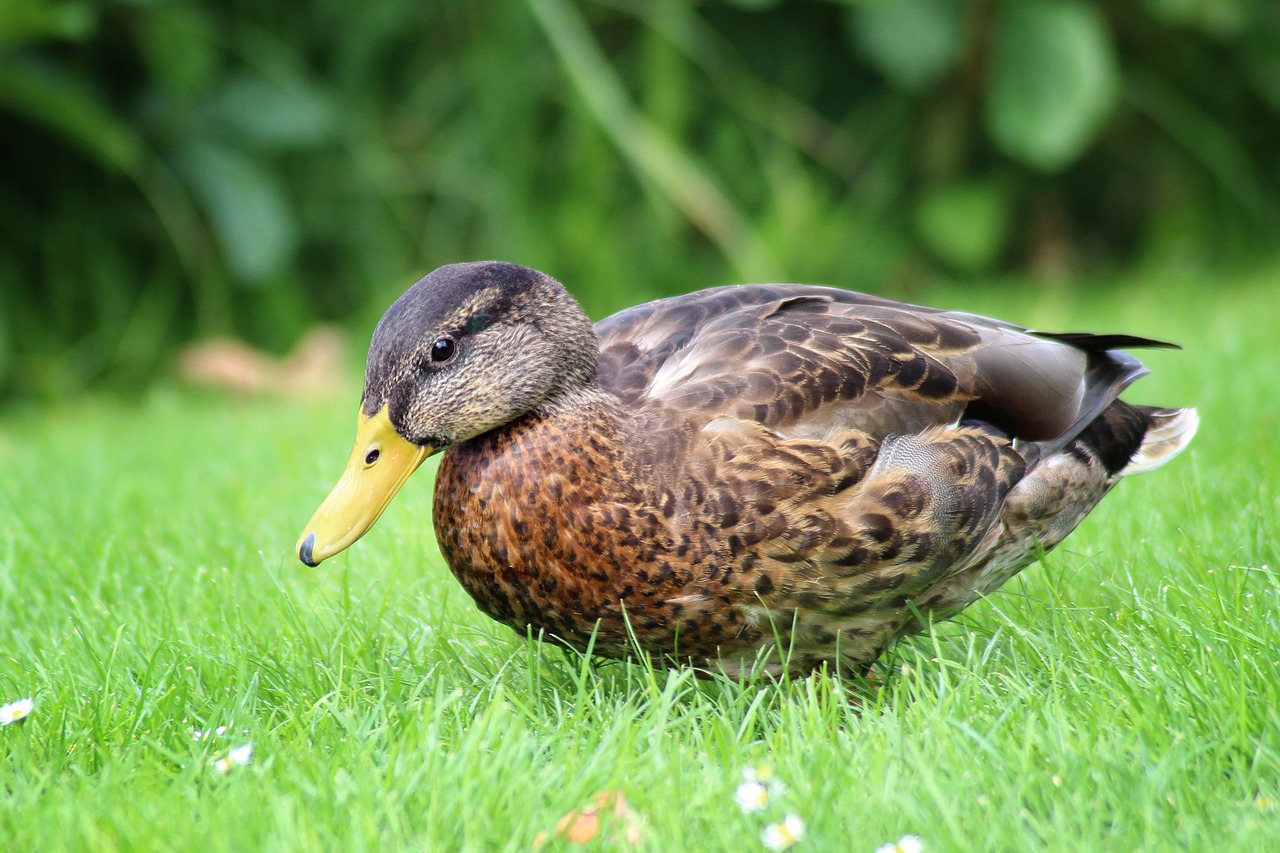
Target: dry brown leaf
x: 314, y: 368
x: 607, y: 808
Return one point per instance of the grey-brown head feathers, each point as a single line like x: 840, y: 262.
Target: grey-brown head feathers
x: 472, y: 346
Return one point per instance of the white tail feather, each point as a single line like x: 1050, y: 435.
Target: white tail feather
x: 1170, y: 431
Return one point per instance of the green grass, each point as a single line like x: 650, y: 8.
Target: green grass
x: 1123, y: 695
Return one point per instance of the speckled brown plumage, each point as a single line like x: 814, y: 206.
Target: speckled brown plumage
x: 774, y: 477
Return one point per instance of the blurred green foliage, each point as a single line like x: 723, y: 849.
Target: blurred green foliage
x: 176, y: 168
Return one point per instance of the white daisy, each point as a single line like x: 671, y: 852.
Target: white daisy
x: 782, y: 836
x: 238, y: 757
x: 199, y: 735
x: 752, y: 796
x: 16, y: 712
x: 762, y: 774
x: 905, y: 844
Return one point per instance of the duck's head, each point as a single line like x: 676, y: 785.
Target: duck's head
x: 467, y: 349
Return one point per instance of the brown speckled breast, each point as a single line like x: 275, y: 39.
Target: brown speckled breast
x: 545, y: 523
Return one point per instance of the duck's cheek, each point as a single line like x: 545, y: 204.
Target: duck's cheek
x: 380, y: 463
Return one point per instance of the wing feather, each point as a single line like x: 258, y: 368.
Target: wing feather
x: 804, y: 360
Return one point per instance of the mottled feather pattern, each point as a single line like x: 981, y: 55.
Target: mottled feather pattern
x: 802, y: 359
x: 776, y: 357
x: 780, y: 477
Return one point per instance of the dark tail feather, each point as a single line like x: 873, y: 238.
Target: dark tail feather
x: 1100, y: 343
x: 1115, y: 435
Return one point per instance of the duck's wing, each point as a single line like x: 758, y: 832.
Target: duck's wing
x: 803, y: 360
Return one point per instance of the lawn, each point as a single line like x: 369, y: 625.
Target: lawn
x: 1121, y: 695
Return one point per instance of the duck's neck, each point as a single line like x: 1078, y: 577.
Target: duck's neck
x: 583, y: 400
x: 581, y: 433
x: 590, y: 429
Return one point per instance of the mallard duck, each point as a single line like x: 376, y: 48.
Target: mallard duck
x: 772, y: 478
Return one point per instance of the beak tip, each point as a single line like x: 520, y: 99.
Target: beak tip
x: 305, y: 549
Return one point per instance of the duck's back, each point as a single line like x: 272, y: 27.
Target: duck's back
x: 801, y: 359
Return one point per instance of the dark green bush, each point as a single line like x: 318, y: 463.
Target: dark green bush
x: 174, y: 168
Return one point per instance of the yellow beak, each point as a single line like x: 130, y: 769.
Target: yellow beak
x: 380, y: 463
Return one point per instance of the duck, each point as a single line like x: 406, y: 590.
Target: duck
x: 754, y: 478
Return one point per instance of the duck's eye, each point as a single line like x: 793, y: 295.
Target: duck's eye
x: 442, y: 350
x: 372, y: 456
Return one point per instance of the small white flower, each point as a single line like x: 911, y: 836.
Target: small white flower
x: 905, y: 844
x: 762, y: 774
x: 238, y: 757
x: 752, y: 796
x: 782, y: 836
x: 199, y: 735
x: 16, y: 712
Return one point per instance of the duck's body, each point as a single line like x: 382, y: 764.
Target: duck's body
x: 770, y: 477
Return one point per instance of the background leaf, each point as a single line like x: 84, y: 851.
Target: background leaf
x: 30, y: 20
x: 277, y: 114
x: 246, y: 205
x: 70, y: 109
x: 180, y: 51
x: 965, y: 224
x: 1053, y: 82
x: 912, y: 42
